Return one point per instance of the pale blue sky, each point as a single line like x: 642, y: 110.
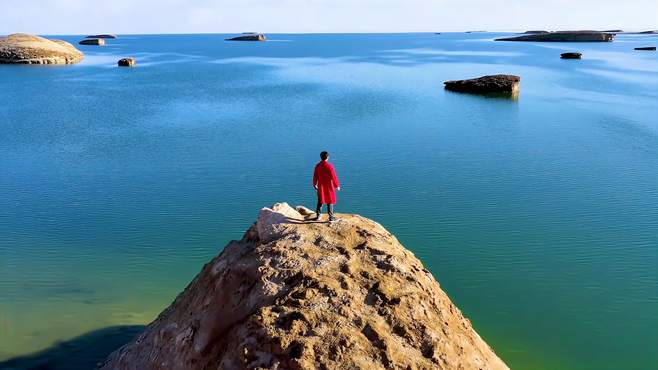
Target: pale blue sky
x: 193, y: 16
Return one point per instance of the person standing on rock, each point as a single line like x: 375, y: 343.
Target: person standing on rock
x: 325, y: 182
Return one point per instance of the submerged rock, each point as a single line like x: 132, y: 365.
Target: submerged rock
x: 127, y: 62
x: 248, y: 36
x: 298, y: 294
x: 571, y: 55
x: 98, y: 42
x: 649, y: 48
x: 102, y: 36
x: 564, y: 36
x: 21, y: 48
x: 505, y: 84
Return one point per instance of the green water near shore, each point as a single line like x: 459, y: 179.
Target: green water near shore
x: 539, y: 216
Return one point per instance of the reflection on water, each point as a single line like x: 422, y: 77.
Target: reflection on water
x: 538, y: 216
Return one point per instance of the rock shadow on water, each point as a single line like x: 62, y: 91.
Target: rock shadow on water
x: 496, y: 96
x: 81, y: 353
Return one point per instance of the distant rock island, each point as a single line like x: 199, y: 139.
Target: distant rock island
x: 102, y: 36
x: 97, y: 42
x: 126, y: 62
x: 646, y: 48
x: 571, y: 55
x: 21, y: 48
x: 493, y: 84
x: 563, y: 36
x: 299, y: 294
x: 248, y: 36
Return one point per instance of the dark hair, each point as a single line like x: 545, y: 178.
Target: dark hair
x: 324, y: 156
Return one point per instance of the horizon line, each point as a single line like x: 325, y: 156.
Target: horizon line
x: 326, y: 33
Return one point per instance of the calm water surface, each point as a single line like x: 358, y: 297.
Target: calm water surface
x: 538, y: 216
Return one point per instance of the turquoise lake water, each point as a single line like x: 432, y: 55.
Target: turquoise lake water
x: 538, y: 216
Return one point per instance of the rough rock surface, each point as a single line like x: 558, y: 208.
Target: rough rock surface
x: 571, y: 55
x: 505, y: 84
x: 22, y: 48
x: 249, y: 36
x: 564, y: 36
x: 298, y: 294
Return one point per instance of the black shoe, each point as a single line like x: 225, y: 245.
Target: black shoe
x: 331, y: 218
x: 317, y: 217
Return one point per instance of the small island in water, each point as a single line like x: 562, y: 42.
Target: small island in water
x: 21, y: 48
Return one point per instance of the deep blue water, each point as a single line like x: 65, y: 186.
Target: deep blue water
x: 539, y: 216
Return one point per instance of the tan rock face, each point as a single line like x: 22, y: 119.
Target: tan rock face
x: 297, y: 294
x: 27, y: 49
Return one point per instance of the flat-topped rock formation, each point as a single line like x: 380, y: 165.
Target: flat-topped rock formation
x: 564, y: 36
x: 646, y: 48
x: 102, y: 36
x: 97, y: 42
x: 248, y: 36
x: 493, y: 84
x: 21, y: 48
x: 534, y: 32
x: 571, y: 55
x: 299, y: 294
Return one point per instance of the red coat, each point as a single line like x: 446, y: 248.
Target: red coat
x: 324, y: 177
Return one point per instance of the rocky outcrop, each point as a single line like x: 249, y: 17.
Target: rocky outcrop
x: 248, y: 36
x: 102, y: 36
x: 97, y: 42
x: 646, y: 48
x: 299, y: 294
x: 571, y: 55
x: 21, y: 48
x: 564, y: 36
x: 534, y: 32
x: 494, y: 84
x: 127, y: 62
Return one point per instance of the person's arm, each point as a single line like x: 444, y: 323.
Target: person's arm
x: 315, y: 178
x: 334, y: 178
